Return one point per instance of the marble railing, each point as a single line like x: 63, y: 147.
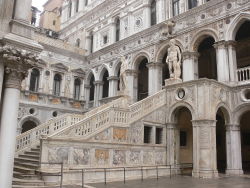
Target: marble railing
x: 120, y: 115
x: 32, y: 137
x: 243, y: 74
x: 55, y: 125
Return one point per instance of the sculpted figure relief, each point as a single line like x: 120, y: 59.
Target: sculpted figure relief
x: 174, y: 60
x: 123, y: 81
x: 168, y: 28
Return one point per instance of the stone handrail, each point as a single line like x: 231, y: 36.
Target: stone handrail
x: 32, y: 137
x: 243, y: 74
x: 111, y: 116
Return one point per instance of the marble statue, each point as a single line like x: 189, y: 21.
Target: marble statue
x: 174, y: 60
x: 167, y: 29
x: 123, y: 81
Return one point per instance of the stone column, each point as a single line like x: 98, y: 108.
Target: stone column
x: 147, y: 16
x: 113, y: 85
x: 232, y: 61
x: 190, y: 66
x: 27, y: 84
x: 113, y: 33
x: 131, y: 76
x: 87, y: 95
x: 1, y: 77
x: 16, y: 62
x: 222, y: 61
x: 98, y: 92
x: 233, y: 145
x: 154, y: 77
x: 172, y: 145
x: 161, y: 10
x: 204, y: 149
x: 22, y: 11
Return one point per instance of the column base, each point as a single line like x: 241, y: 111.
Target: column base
x: 234, y: 171
x: 205, y: 174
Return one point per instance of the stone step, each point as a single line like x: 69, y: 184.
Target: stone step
x: 17, y: 181
x: 28, y: 156
x: 26, y: 176
x: 35, y: 149
x: 38, y: 186
x: 26, y: 160
x: 24, y: 170
x: 26, y: 165
x: 35, y: 153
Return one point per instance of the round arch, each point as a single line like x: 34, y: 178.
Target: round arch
x: 28, y: 119
x: 175, y: 108
x: 226, y: 112
x: 88, y: 76
x: 239, y: 112
x: 235, y: 25
x: 200, y: 36
x: 102, y: 71
x: 138, y: 58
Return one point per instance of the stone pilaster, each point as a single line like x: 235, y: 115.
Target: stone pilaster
x: 204, y: 149
x: 172, y: 144
x: 232, y: 61
x: 233, y: 141
x: 190, y: 65
x: 16, y: 63
x: 155, y: 77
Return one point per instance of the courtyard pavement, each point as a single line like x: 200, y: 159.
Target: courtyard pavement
x: 178, y: 182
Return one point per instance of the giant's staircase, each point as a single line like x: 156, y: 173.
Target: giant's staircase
x: 117, y: 112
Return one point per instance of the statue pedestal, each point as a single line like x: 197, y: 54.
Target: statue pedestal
x: 172, y: 81
x: 125, y: 95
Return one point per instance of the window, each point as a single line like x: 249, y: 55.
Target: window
x: 183, y: 138
x: 192, y: 4
x: 57, y: 84
x: 70, y: 8
x: 176, y: 7
x: 54, y: 22
x: 158, y: 135
x: 77, y: 5
x: 105, y: 39
x: 117, y: 30
x: 77, y: 89
x: 86, y: 2
x: 246, y: 138
x: 91, y: 42
x: 78, y: 42
x: 34, y: 80
x: 147, y: 134
x: 153, y: 12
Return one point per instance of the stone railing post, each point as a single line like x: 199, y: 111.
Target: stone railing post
x: 16, y: 63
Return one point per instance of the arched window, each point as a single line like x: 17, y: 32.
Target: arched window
x: 70, y: 9
x: 77, y: 89
x: 77, y: 5
x: 92, y: 88
x: 57, y: 84
x: 78, y: 42
x: 153, y: 12
x: 91, y: 42
x: 192, y: 4
x: 117, y: 30
x: 34, y: 80
x: 86, y: 2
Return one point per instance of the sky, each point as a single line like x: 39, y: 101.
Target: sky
x: 39, y: 4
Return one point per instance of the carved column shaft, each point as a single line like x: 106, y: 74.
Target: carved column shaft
x: 98, y: 92
x: 154, y: 77
x: 113, y: 85
x: 190, y: 66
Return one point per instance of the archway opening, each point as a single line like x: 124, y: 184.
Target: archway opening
x: 207, y: 66
x: 245, y: 141
x: 165, y: 70
x: 243, y: 51
x: 28, y: 125
x: 142, y: 80
x: 221, y: 142
x: 92, y: 88
x: 105, y: 90
x: 184, y: 139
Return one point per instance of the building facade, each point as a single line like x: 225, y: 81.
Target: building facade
x: 201, y: 118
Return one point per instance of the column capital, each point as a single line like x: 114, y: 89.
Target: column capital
x: 17, y: 62
x: 231, y: 43
x: 153, y: 65
x: 131, y: 72
x: 113, y: 78
x: 87, y: 86
x: 232, y: 127
x: 171, y: 125
x: 190, y: 55
x: 204, y: 123
x: 98, y: 82
x: 220, y: 44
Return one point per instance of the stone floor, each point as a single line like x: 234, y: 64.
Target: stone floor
x: 178, y: 182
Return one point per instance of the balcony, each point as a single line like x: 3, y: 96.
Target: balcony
x: 243, y: 75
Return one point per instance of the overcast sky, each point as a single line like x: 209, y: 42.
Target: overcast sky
x: 39, y: 4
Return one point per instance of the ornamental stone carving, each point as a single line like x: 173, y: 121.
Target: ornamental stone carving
x: 16, y: 63
x: 123, y: 81
x: 167, y: 28
x: 174, y: 60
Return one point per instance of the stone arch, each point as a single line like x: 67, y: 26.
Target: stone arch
x: 176, y: 107
x: 239, y: 112
x: 162, y: 50
x: 235, y: 25
x: 27, y: 119
x: 226, y: 112
x: 116, y: 68
x: 103, y: 68
x: 200, y: 36
x: 138, y: 58
x: 88, y: 76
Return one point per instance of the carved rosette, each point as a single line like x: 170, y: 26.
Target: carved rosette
x: 17, y: 62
